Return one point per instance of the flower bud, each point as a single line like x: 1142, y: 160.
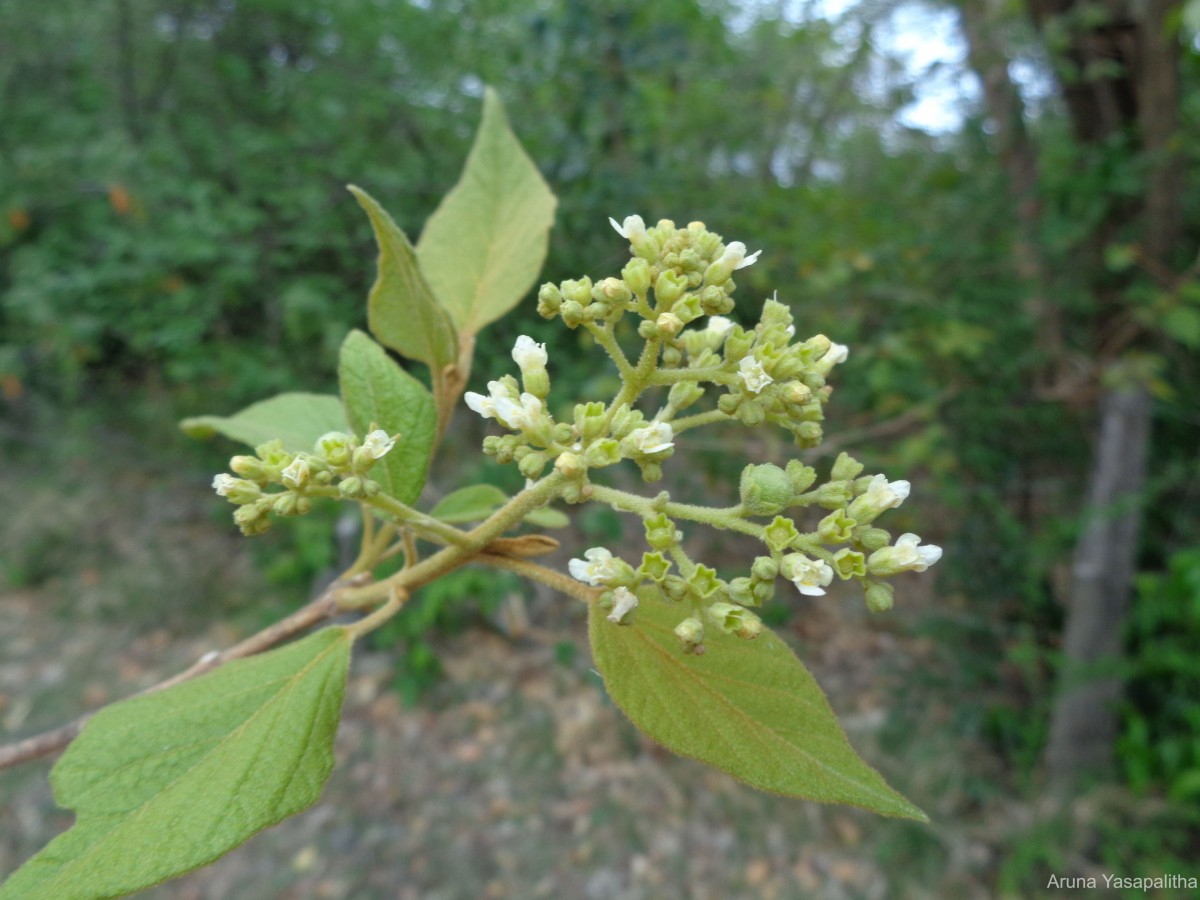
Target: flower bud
x: 661, y: 533
x: 351, y: 488
x: 741, y: 591
x: 765, y: 490
x: 879, y: 596
x: 836, y: 527
x: 845, y: 468
x: 764, y: 569
x: 248, y: 467
x: 549, y: 301
x: 532, y: 464
x: 834, y: 495
x: 668, y: 325
x: 684, y: 393
x: 579, y: 292
x: 735, y: 620
x: 613, y: 293
x: 690, y: 633
x: 801, y: 476
x: 572, y: 314
x: 296, y: 474
x: 239, y: 491
x: 571, y: 464
x: 669, y: 287
x: 602, y: 453
x: 870, y: 538
x: 636, y: 275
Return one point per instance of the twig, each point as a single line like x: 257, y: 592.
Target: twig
x: 323, y: 607
x: 536, y: 572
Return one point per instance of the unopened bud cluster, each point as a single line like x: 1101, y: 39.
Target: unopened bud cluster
x: 338, y: 463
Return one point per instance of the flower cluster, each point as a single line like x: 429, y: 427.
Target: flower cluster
x: 338, y: 466
x: 678, y: 288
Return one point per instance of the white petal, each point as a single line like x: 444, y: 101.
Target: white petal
x: 749, y: 260
x: 901, y: 489
x: 223, y: 483
x: 528, y: 354
x: 810, y: 590
x: 580, y: 571
x: 624, y: 601
x: 617, y: 227
x: 719, y: 325
x: 485, y: 406
x: 378, y: 443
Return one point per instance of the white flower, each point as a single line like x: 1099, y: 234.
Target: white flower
x: 624, y: 601
x: 837, y: 353
x: 909, y: 555
x: 596, y: 568
x: 224, y: 483
x: 296, y: 474
x: 882, y: 494
x: 632, y: 228
x: 653, y: 438
x: 754, y: 376
x: 735, y: 256
x: 522, y: 415
x: 378, y: 443
x: 486, y: 406
x: 810, y: 576
x: 528, y: 354
x: 719, y: 326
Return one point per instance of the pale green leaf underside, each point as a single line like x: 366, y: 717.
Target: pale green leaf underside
x: 376, y: 391
x: 749, y: 708
x: 297, y: 419
x: 402, y: 310
x: 478, y: 501
x: 484, y: 245
x: 165, y: 783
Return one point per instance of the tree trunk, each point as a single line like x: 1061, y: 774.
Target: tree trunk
x: 1083, y: 727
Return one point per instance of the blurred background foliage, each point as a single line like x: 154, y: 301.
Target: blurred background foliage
x: 175, y: 236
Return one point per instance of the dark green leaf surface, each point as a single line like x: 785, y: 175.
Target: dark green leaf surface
x: 375, y: 390
x: 483, y: 247
x: 297, y: 419
x: 168, y: 782
x: 403, y: 312
x: 749, y: 708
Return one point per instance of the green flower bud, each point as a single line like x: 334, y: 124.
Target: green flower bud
x: 273, y: 454
x: 738, y: 343
x: 780, y: 534
x: 879, y: 596
x: 741, y: 591
x: 285, y: 505
x: 579, y: 292
x: 846, y: 468
x: 668, y: 325
x: 491, y: 444
x: 335, y: 448
x: 636, y: 275
x: 351, y: 488
x: 765, y: 490
x: 801, y: 476
x: 669, y: 287
x: 735, y: 620
x: 532, y: 464
x: 371, y: 488
x: 870, y: 538
x: 651, y: 471
x: 751, y: 413
x: 654, y: 566
x: 248, y: 467
x: 549, y: 301
x: 603, y: 453
x: 833, y: 494
x: 688, y: 309
x: 253, y: 519
x: 713, y: 300
x: 571, y: 464
x: 647, y: 329
x: 572, y: 314
x: 675, y: 588
x: 661, y: 533
x: 809, y: 434
x: 764, y: 569
x: 729, y: 403
x: 684, y: 393
x: 690, y: 633
x: 762, y: 591
x: 849, y: 563
x: 672, y: 357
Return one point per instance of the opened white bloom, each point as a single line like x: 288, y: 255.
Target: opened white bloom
x: 624, y: 601
x: 528, y: 354
x: 754, y: 376
x: 486, y: 406
x: 521, y: 415
x: 633, y: 227
x: 653, y: 438
x: 378, y: 443
x: 882, y: 494
x: 735, y: 255
x: 909, y: 555
x: 596, y: 567
x: 224, y: 483
x: 837, y: 353
x: 719, y: 326
x: 296, y: 474
x: 810, y: 576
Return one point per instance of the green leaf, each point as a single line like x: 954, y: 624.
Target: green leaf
x: 747, y: 707
x: 1182, y: 323
x: 376, y: 391
x: 478, y: 501
x: 402, y: 311
x: 469, y: 504
x: 484, y: 245
x: 297, y: 419
x: 165, y: 783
